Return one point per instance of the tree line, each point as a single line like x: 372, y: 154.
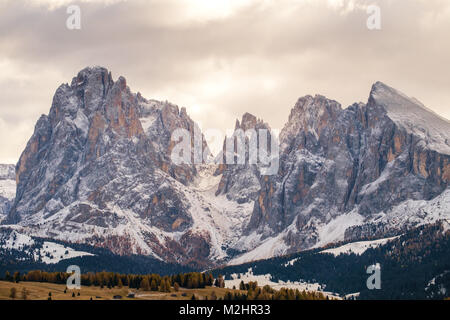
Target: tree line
x: 155, y: 282
x: 150, y: 282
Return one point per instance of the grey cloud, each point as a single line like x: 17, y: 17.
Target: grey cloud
x: 259, y: 59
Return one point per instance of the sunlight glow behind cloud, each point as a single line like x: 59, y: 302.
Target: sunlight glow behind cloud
x: 221, y: 58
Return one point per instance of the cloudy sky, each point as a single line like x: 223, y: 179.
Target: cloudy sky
x: 221, y: 58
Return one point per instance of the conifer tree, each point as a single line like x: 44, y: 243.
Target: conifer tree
x: 13, y: 293
x: 145, y: 285
x: 154, y: 286
x: 24, y: 293
x: 16, y: 277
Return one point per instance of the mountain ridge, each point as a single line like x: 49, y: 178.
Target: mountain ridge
x: 97, y: 170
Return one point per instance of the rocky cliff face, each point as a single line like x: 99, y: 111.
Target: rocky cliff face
x: 7, y: 188
x: 240, y: 182
x: 98, y: 170
x: 353, y: 169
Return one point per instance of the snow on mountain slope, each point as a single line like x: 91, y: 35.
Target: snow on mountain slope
x: 49, y: 252
x: 342, y: 170
x: 217, y: 218
x: 414, y: 117
x: 334, y: 230
x: 266, y: 248
x: 357, y: 248
x: 406, y: 215
x: 98, y: 170
x: 18, y: 241
x: 259, y: 248
x: 7, y: 171
x: 7, y: 188
x: 223, y: 218
x: 53, y: 253
x: 409, y: 213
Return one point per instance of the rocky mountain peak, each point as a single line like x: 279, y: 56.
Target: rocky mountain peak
x: 240, y: 182
x: 248, y: 122
x: 7, y: 172
x: 98, y: 170
x: 314, y: 106
x: 309, y: 117
x: 91, y: 75
x: 411, y: 115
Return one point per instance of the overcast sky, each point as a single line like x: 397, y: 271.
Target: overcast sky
x: 221, y: 58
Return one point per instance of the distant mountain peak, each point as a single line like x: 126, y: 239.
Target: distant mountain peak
x: 410, y: 114
x: 249, y: 121
x: 98, y: 170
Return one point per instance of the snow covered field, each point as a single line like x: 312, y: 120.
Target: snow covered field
x: 357, y: 248
x: 267, y: 280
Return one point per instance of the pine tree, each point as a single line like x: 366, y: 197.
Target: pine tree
x: 228, y: 296
x: 24, y: 294
x: 13, y: 293
x: 145, y: 285
x: 209, y: 279
x: 167, y: 285
x: 220, y: 282
x: 154, y: 286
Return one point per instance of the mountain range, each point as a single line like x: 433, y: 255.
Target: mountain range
x: 98, y: 171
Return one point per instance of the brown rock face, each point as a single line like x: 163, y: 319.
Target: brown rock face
x: 92, y: 166
x: 368, y: 158
x: 98, y: 170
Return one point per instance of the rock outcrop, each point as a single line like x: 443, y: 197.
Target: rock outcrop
x: 240, y: 182
x: 7, y: 188
x: 98, y: 170
x: 359, y: 162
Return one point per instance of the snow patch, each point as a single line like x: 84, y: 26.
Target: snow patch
x: 49, y: 253
x: 334, y: 230
x: 357, y: 248
x: 53, y: 253
x: 266, y: 279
